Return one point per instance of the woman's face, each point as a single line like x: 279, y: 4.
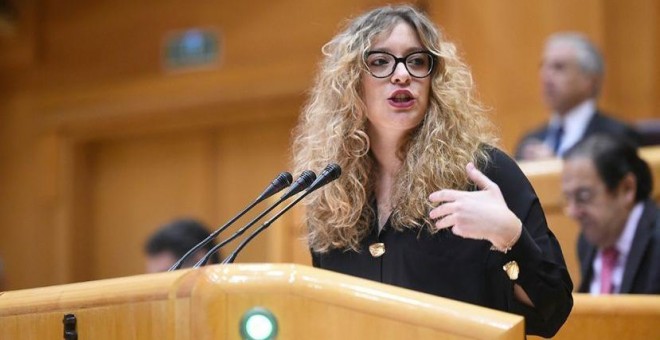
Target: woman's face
x: 397, y: 102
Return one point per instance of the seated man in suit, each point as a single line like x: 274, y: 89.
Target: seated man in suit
x: 172, y: 241
x: 607, y: 188
x: 571, y: 78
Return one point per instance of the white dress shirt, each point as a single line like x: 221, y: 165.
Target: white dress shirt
x: 575, y: 124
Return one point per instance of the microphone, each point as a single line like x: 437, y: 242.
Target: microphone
x: 303, y: 181
x: 280, y: 182
x: 329, y: 174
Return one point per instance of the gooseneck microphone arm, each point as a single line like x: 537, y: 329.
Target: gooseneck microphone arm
x: 303, y: 181
x: 232, y: 256
x: 280, y: 182
x: 329, y: 174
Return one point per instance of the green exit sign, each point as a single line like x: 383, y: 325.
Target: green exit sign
x: 193, y: 48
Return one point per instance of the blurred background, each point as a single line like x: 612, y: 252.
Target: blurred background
x: 118, y: 116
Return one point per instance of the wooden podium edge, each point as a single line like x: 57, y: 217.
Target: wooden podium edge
x: 374, y: 298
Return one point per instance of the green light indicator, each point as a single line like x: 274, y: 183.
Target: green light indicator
x: 258, y: 323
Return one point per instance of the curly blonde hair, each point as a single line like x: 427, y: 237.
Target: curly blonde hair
x: 332, y: 129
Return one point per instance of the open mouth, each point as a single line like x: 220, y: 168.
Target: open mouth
x: 401, y: 98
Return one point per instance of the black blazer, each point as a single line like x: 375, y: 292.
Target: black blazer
x: 599, y: 123
x: 642, y: 269
x: 467, y: 270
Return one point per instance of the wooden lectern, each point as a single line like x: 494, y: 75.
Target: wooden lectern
x: 208, y: 303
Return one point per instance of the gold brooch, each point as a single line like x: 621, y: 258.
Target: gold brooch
x: 512, y: 270
x: 377, y: 249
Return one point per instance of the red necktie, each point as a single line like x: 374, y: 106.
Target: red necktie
x: 608, y: 257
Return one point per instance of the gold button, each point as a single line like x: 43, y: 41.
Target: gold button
x: 512, y: 270
x: 377, y: 249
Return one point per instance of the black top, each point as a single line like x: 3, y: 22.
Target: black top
x: 447, y: 265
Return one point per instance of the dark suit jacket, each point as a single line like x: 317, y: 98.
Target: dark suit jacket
x: 642, y: 269
x: 599, y: 123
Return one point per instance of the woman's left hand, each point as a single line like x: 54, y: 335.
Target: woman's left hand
x: 481, y: 214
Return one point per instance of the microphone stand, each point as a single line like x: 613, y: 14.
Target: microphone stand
x: 280, y: 182
x: 329, y: 174
x: 300, y: 184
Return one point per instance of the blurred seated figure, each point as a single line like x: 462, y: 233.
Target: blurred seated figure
x: 571, y: 77
x: 172, y: 241
x: 607, y: 188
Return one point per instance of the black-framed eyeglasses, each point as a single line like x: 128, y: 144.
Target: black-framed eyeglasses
x: 581, y: 197
x: 382, y: 64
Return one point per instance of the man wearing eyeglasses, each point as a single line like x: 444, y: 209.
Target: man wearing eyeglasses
x: 607, y: 189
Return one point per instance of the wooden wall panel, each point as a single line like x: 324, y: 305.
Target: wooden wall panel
x: 631, y: 35
x: 129, y: 36
x: 17, y: 41
x: 21, y: 241
x: 503, y: 40
x: 138, y: 184
x: 251, y: 155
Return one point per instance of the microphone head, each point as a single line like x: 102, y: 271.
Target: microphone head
x: 282, y: 180
x: 305, y: 179
x: 331, y: 172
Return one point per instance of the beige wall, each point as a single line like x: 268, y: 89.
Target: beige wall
x: 99, y: 144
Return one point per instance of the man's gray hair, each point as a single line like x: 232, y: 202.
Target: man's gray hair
x: 588, y: 56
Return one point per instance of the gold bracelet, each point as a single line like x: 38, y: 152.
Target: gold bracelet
x: 509, y: 245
